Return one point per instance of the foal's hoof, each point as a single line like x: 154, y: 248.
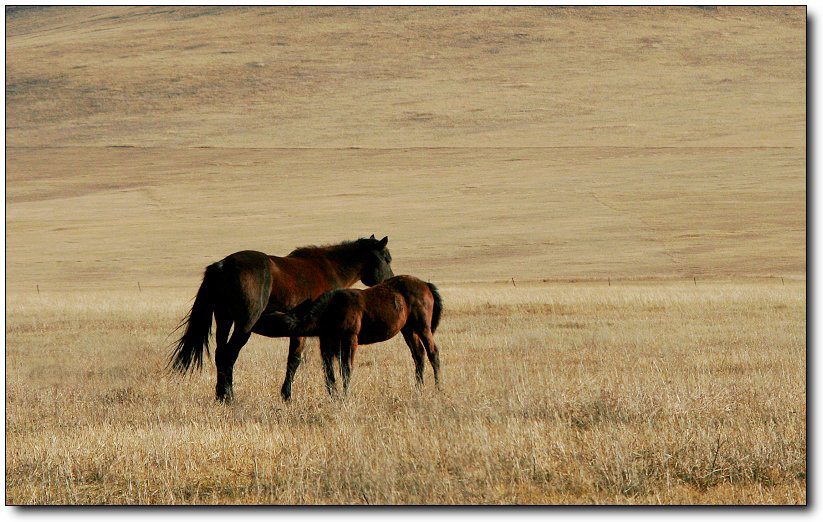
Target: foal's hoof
x: 225, y: 397
x: 285, y: 394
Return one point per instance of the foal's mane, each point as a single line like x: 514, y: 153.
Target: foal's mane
x: 322, y: 302
x: 315, y: 308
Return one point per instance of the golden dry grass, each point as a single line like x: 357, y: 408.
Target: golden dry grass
x: 553, y: 393
x: 648, y: 146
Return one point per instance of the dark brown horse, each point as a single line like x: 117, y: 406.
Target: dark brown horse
x: 344, y: 319
x: 242, y: 287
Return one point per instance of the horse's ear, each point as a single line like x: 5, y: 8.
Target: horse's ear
x: 383, y: 242
x: 372, y: 237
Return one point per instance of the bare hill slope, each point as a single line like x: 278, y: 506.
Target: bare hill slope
x: 488, y: 143
x: 401, y: 77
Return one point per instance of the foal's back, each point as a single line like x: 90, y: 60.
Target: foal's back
x: 399, y: 302
x: 379, y: 313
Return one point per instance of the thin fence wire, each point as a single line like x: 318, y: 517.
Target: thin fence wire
x: 512, y: 282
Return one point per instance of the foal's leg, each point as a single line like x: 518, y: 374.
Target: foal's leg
x: 348, y: 345
x: 328, y: 349
x: 427, y: 338
x: 224, y: 358
x: 296, y: 346
x: 417, y: 353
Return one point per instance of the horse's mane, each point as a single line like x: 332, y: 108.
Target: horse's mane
x: 324, y: 250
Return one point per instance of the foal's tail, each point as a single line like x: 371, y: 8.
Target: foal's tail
x: 188, y: 354
x: 438, y: 306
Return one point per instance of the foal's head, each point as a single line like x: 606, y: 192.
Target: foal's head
x: 377, y: 266
x: 304, y: 319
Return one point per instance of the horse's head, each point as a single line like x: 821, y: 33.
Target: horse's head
x: 377, y: 266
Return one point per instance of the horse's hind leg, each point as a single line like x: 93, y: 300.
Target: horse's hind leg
x: 221, y: 338
x: 296, y: 345
x: 224, y: 359
x: 416, y: 348
x: 221, y: 333
x: 427, y: 338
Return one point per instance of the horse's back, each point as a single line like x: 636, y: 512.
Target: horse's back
x: 246, y: 266
x: 295, y: 279
x: 252, y: 283
x: 244, y: 261
x: 278, y: 283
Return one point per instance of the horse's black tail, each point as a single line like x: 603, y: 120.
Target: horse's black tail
x: 438, y: 306
x: 188, y: 354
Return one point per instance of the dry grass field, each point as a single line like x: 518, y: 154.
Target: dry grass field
x: 552, y: 393
x: 611, y: 200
